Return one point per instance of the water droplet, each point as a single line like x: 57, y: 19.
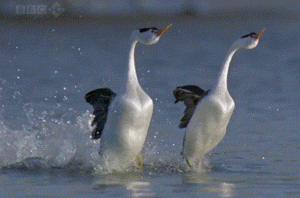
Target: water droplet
x: 65, y: 98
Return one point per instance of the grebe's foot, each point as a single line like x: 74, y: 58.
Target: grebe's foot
x: 140, y: 161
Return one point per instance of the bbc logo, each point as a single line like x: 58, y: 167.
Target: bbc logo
x: 56, y: 9
x: 31, y: 9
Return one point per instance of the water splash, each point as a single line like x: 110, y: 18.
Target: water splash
x: 53, y: 144
x: 48, y: 141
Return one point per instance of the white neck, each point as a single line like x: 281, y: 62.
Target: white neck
x: 131, y: 80
x: 222, y: 79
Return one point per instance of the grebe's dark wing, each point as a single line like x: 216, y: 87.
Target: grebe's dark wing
x: 190, y: 95
x: 100, y: 99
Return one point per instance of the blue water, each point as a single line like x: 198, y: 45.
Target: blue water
x: 45, y: 145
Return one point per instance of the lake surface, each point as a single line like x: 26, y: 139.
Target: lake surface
x: 46, y: 69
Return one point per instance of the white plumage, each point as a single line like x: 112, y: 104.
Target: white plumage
x: 208, y: 121
x: 125, y: 122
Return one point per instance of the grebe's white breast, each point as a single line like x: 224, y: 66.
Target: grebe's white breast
x: 127, y: 126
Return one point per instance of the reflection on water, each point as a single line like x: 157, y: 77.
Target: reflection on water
x: 140, y: 189
x: 133, y: 182
x: 205, y: 182
x: 224, y: 189
x: 196, y: 178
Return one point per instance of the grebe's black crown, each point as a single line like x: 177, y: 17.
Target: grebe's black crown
x: 146, y: 29
x: 252, y: 34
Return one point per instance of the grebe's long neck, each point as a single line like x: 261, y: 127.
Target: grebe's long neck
x: 131, y: 80
x: 222, y: 79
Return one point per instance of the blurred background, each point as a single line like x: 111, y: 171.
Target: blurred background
x: 44, y: 10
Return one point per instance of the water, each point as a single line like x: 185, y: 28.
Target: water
x: 45, y: 145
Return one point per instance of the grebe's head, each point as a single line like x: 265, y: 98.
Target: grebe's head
x: 249, y: 41
x: 149, y: 36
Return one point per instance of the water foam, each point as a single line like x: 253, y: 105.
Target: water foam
x: 47, y: 142
x: 56, y: 143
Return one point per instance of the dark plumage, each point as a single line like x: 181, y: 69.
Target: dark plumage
x: 190, y: 95
x: 146, y: 29
x: 252, y: 34
x: 100, y: 99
